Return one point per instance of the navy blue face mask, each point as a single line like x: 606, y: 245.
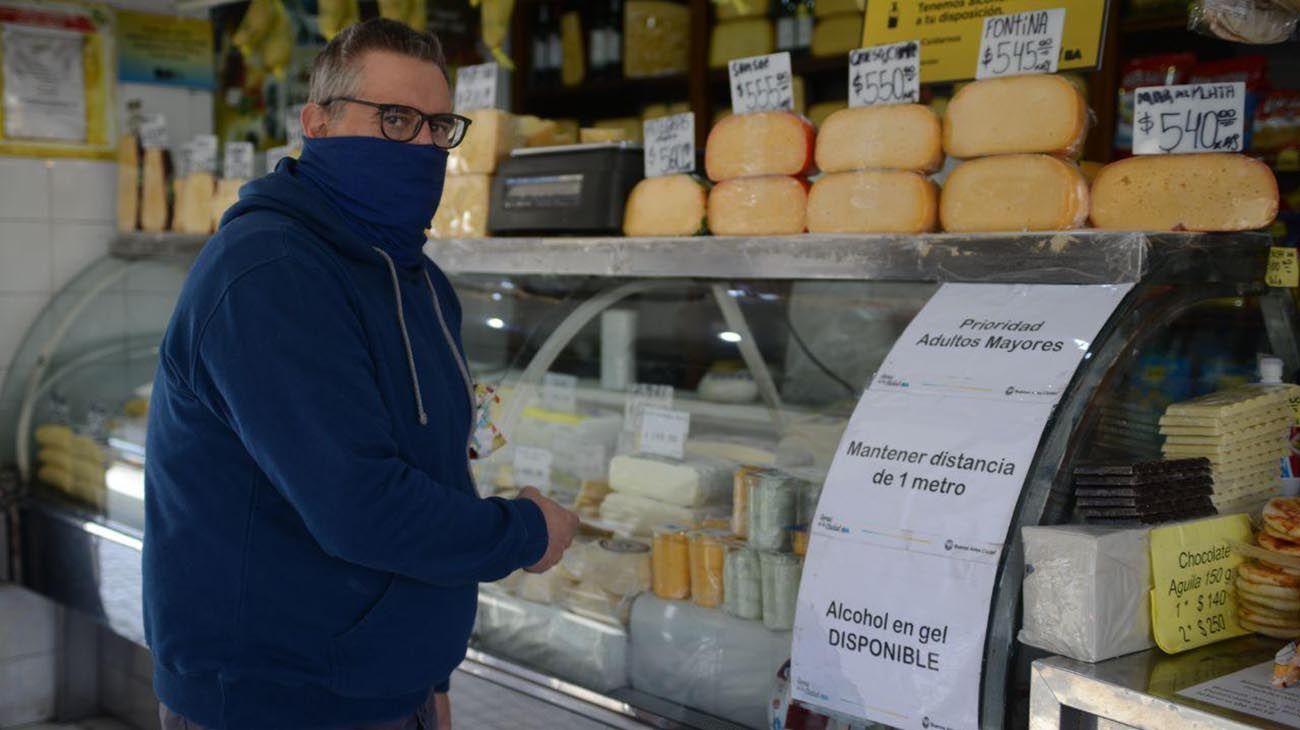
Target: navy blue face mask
x: 386, y: 191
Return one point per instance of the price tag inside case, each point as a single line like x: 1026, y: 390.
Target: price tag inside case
x: 1023, y: 43
x: 1189, y: 118
x: 885, y: 74
x: 670, y: 145
x: 761, y: 84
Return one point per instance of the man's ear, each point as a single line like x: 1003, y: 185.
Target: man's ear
x: 315, y: 120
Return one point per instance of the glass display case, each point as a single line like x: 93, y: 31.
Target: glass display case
x: 597, y: 347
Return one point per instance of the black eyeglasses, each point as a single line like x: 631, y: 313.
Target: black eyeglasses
x: 401, y: 123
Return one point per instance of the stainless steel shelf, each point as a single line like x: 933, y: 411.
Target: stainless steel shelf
x: 144, y: 245
x: 1072, y: 257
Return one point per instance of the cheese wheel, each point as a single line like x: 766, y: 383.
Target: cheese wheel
x: 1016, y: 114
x: 673, y: 205
x: 1014, y: 193
x: 491, y: 137
x: 765, y: 143
x: 740, y: 39
x: 898, y: 137
x: 837, y: 35
x: 1210, y: 192
x: 463, y: 211
x: 821, y: 111
x: 759, y: 206
x: 873, y: 201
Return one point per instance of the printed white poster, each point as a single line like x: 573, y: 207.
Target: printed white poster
x: 44, y: 84
x: 1251, y: 691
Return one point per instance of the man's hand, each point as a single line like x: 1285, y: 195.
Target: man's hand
x: 442, y: 702
x: 560, y: 526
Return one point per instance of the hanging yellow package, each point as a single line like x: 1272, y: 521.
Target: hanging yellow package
x: 79, y: 123
x: 495, y: 19
x: 335, y: 15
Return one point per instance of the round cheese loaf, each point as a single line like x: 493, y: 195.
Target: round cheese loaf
x: 1016, y: 114
x: 1014, y: 193
x: 895, y: 137
x: 873, y: 201
x: 673, y: 205
x: 765, y: 143
x: 1210, y: 192
x: 759, y: 206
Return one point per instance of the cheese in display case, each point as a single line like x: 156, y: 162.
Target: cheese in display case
x: 873, y: 201
x: 1208, y: 192
x: 895, y: 137
x: 1014, y: 193
x: 672, y: 205
x: 759, y: 206
x: 1016, y: 114
x: 763, y: 143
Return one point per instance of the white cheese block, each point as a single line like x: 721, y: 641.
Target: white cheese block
x: 1014, y: 193
x: 764, y: 143
x: 1016, y: 114
x: 690, y: 483
x: 672, y: 205
x: 896, y: 137
x: 1210, y: 192
x: 759, y: 206
x: 635, y: 515
x: 491, y: 137
x: 463, y: 211
x: 873, y: 201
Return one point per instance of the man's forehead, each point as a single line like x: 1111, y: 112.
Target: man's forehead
x: 391, y: 78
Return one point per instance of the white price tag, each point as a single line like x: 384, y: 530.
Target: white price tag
x: 560, y: 392
x: 591, y: 463
x: 532, y: 468
x: 641, y: 395
x: 203, y: 153
x: 476, y: 87
x: 238, y: 164
x: 293, y: 126
x: 670, y: 145
x: 664, y: 431
x: 885, y: 74
x: 1023, y: 43
x: 761, y: 84
x: 274, y: 155
x: 1189, y: 118
x: 153, y: 131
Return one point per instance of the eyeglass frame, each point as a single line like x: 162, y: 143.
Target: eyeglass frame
x: 424, y: 118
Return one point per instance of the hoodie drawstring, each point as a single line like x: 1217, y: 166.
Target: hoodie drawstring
x: 406, y: 337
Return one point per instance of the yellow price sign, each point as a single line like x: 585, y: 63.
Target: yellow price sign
x: 1283, y: 267
x: 1193, y: 569
x: 950, y: 31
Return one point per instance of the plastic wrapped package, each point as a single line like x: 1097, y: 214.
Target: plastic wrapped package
x: 1204, y: 192
x: 741, y: 485
x: 873, y: 201
x: 463, y: 211
x: 1087, y: 591
x: 1019, y: 192
x: 742, y: 583
x: 781, y: 575
x: 591, y: 601
x: 759, y: 206
x: 773, y: 509
x: 1016, y: 114
x: 671, y: 562
x: 740, y: 38
x: 545, y: 588
x: 763, y: 143
x: 656, y: 38
x: 1243, y: 21
x: 570, y: 437
x: 692, y: 482
x: 705, y: 659
x: 591, y: 653
x: 708, y: 556
x: 634, y: 515
x: 891, y: 137
x: 617, y: 566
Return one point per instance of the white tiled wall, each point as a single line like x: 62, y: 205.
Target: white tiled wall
x: 29, y: 642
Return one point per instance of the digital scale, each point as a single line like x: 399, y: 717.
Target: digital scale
x: 571, y: 189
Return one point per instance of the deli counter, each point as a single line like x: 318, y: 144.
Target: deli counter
x: 675, y: 605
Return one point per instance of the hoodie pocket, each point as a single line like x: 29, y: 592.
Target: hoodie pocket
x: 412, y: 638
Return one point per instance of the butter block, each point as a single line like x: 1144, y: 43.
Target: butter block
x: 1016, y: 114
x: 896, y: 137
x: 740, y: 39
x: 490, y: 139
x: 836, y: 35
x: 672, y: 205
x: 690, y: 483
x: 873, y: 201
x: 759, y: 206
x: 463, y: 212
x: 656, y: 38
x: 1207, y: 192
x: 1014, y: 193
x: 765, y: 143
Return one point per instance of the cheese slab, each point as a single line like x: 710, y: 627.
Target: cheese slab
x: 896, y: 137
x: 1016, y: 114
x: 1209, y: 192
x: 759, y: 206
x: 765, y: 143
x: 1014, y: 193
x: 463, y: 212
x: 491, y: 137
x: 691, y: 483
x: 194, y: 194
x: 740, y: 38
x: 672, y: 205
x: 873, y: 201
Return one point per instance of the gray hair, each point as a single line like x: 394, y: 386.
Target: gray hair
x: 335, y: 71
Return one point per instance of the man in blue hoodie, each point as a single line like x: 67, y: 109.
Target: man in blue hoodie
x: 314, y: 537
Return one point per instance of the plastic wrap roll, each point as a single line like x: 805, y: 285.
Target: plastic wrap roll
x: 781, y: 574
x: 708, y: 561
x: 744, y: 481
x: 671, y: 562
x: 620, y: 567
x: 742, y: 581
x: 773, y: 510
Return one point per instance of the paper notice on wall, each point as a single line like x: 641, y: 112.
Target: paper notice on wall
x: 44, y: 84
x: 919, y: 500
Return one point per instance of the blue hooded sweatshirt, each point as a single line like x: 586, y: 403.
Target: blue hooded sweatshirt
x: 314, y: 539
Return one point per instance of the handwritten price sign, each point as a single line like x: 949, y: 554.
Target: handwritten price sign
x: 885, y: 74
x: 664, y: 432
x: 670, y: 145
x: 476, y: 87
x: 1023, y: 43
x: 238, y: 163
x: 1193, y: 569
x: 761, y: 84
x: 1189, y: 118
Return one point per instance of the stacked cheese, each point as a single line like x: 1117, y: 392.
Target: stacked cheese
x: 876, y: 160
x: 1242, y: 431
x: 71, y: 462
x: 652, y: 490
x: 760, y: 162
x: 1210, y: 192
x: 463, y: 211
x: 1018, y: 135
